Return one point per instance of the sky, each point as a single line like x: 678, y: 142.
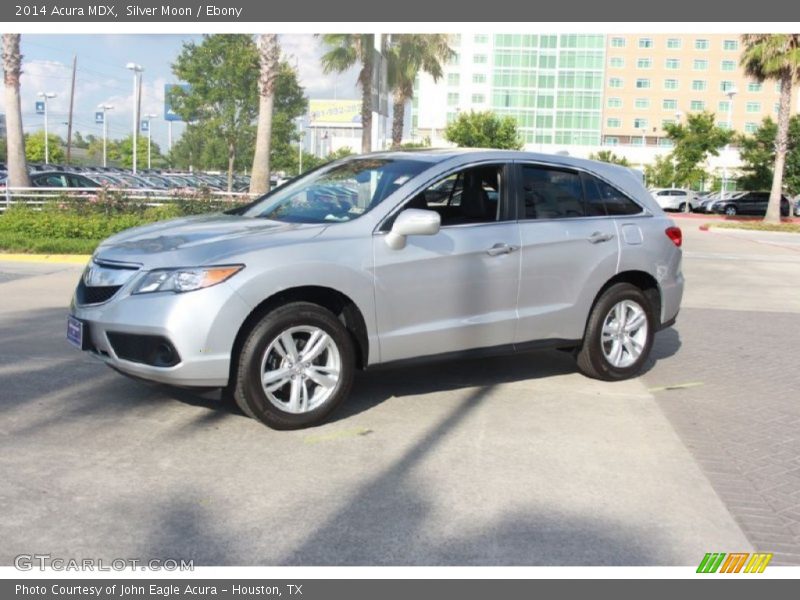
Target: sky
x: 102, y: 78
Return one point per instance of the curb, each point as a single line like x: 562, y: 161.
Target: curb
x: 712, y: 227
x: 74, y: 259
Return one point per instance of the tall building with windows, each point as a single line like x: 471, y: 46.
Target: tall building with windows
x: 652, y: 80
x: 588, y: 90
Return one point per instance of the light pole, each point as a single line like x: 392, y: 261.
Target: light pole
x: 149, y: 135
x: 730, y: 94
x: 105, y: 108
x: 46, y: 96
x: 678, y: 117
x: 137, y: 81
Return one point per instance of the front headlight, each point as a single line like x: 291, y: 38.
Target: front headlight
x: 184, y: 280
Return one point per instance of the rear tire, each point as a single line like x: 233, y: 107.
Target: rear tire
x: 730, y: 211
x: 296, y: 366
x: 619, y: 334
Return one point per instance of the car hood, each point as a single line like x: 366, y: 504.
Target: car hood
x: 200, y: 240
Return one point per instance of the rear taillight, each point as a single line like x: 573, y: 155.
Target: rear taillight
x: 674, y: 233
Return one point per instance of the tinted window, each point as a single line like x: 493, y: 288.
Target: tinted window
x: 616, y: 202
x: 551, y: 193
x: 595, y: 207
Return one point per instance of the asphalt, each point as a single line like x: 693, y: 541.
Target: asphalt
x: 503, y: 461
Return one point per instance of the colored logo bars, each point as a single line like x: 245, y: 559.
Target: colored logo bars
x: 736, y: 562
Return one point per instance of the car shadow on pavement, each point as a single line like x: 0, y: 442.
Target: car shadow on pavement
x: 665, y: 345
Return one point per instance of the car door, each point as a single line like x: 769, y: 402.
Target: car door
x: 569, y: 251
x: 455, y: 290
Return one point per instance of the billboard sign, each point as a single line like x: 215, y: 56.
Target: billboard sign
x: 169, y: 112
x: 145, y: 126
x: 40, y: 107
x: 335, y: 113
x: 99, y: 117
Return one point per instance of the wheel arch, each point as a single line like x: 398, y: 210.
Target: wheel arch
x: 641, y: 279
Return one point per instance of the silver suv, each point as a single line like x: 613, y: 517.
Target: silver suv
x: 380, y: 259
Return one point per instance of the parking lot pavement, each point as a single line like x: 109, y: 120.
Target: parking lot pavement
x: 514, y: 460
x: 735, y: 345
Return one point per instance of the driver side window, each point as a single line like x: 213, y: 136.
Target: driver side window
x: 465, y: 197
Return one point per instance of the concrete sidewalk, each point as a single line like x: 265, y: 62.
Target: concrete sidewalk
x: 516, y: 460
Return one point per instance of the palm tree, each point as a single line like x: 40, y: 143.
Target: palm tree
x: 346, y: 50
x: 269, y: 54
x: 775, y: 57
x: 408, y: 54
x: 12, y: 69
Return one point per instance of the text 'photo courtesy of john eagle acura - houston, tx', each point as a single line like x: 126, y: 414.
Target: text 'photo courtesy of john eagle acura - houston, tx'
x: 381, y: 259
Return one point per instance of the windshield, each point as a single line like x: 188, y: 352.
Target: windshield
x: 338, y: 192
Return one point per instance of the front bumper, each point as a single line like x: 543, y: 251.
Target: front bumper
x: 201, y: 325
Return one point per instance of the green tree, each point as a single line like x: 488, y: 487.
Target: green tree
x: 775, y: 57
x: 757, y: 152
x: 407, y: 54
x: 608, y: 156
x: 121, y: 152
x: 222, y: 72
x: 34, y: 147
x: 695, y: 141
x: 15, y: 141
x: 344, y: 51
x: 661, y: 173
x: 290, y: 103
x: 483, y: 130
x: 269, y: 55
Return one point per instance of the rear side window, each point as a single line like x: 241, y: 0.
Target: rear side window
x: 551, y: 193
x: 616, y: 203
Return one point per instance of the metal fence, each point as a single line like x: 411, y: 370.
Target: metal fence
x: 39, y: 196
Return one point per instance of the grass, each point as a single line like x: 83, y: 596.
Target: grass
x: 755, y: 226
x: 16, y: 242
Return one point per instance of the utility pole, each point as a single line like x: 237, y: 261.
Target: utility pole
x: 71, y: 105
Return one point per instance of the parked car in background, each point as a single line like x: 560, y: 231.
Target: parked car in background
x: 356, y: 264
x: 676, y: 199
x: 61, y: 179
x: 750, y: 204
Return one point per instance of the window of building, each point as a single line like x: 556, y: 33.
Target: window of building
x: 645, y: 42
x: 478, y: 99
x: 724, y: 106
x: 697, y: 105
x: 455, y: 39
x: 644, y: 63
x: 672, y: 64
x: 642, y: 103
x: 481, y: 38
x: 642, y: 84
x: 723, y: 125
x: 753, y: 107
x: 612, y: 140
x: 670, y: 84
x: 614, y: 102
x: 616, y: 62
x: 455, y: 59
x: 669, y: 104
x: 545, y: 101
x: 673, y: 43
x: 617, y: 42
x: 615, y: 83
x: 613, y: 123
x: 754, y: 86
x: 726, y: 85
x: 751, y: 127
x: 547, y: 61
x: 700, y: 64
x: 665, y: 142
x: 730, y: 45
x: 479, y: 78
x: 453, y: 79
x: 452, y: 99
x: 640, y: 123
x: 728, y: 65
x: 666, y: 122
x: 701, y: 44
x: 479, y: 59
x: 699, y: 85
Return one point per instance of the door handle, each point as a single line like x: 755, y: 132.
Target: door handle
x: 598, y: 237
x: 499, y: 249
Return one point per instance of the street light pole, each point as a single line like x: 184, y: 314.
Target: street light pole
x: 46, y: 96
x: 105, y: 108
x: 149, y: 135
x: 730, y: 94
x: 137, y: 80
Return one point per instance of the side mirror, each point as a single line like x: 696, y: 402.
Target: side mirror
x: 412, y: 221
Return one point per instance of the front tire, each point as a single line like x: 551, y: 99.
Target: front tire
x: 619, y: 334
x: 730, y: 211
x: 296, y: 366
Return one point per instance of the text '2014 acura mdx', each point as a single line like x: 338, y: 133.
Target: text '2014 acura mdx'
x: 382, y: 258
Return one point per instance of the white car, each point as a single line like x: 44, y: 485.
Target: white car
x: 676, y: 199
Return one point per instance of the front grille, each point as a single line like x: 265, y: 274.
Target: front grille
x: 154, y: 350
x: 95, y: 294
